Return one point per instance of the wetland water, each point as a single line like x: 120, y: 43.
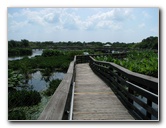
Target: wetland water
x: 40, y: 83
x: 35, y: 52
x: 37, y: 81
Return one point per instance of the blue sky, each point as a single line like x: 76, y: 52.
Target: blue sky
x: 83, y: 24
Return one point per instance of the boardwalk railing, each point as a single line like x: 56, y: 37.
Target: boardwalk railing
x: 134, y: 90
x: 58, y: 107
x: 86, y: 59
x: 138, y: 92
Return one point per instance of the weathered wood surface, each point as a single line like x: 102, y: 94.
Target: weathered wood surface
x: 94, y: 100
x: 54, y: 109
x: 128, y: 86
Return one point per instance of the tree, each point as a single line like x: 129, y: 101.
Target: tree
x: 148, y: 43
x: 13, y: 44
x: 25, y: 43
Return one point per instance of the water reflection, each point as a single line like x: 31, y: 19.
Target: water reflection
x: 39, y: 83
x: 36, y: 52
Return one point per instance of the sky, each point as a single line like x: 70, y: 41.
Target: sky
x: 83, y: 24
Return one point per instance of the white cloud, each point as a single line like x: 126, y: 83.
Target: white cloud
x: 62, y: 18
x: 49, y: 17
x: 108, y: 19
x: 110, y: 23
x: 113, y: 19
x: 69, y: 21
x: 16, y: 26
x: 34, y: 16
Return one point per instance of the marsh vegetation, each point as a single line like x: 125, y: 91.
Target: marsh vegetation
x: 35, y: 69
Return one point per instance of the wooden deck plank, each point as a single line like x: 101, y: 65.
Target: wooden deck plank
x: 94, y: 100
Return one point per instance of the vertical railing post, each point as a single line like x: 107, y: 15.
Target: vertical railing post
x: 130, y: 91
x: 149, y: 103
x: 119, y: 75
x: 90, y: 61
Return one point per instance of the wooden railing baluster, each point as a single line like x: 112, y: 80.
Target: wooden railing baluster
x: 136, y: 84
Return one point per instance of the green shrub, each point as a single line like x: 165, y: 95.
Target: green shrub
x: 52, y: 87
x: 47, y: 53
x: 49, y: 60
x: 145, y: 62
x: 14, y: 79
x: 71, y: 54
x: 19, y: 52
x: 51, y: 63
x: 16, y: 115
x: 23, y: 98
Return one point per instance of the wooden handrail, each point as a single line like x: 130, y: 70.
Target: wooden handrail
x: 128, y: 85
x: 85, y: 58
x: 147, y: 82
x: 56, y: 107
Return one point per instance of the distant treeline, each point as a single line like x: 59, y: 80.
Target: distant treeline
x: 19, y: 48
x: 148, y: 43
x: 18, y: 44
x: 19, y: 52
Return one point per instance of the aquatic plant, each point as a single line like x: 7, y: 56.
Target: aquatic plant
x: 145, y: 62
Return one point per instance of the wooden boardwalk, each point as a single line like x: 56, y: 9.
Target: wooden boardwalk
x: 94, y: 100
